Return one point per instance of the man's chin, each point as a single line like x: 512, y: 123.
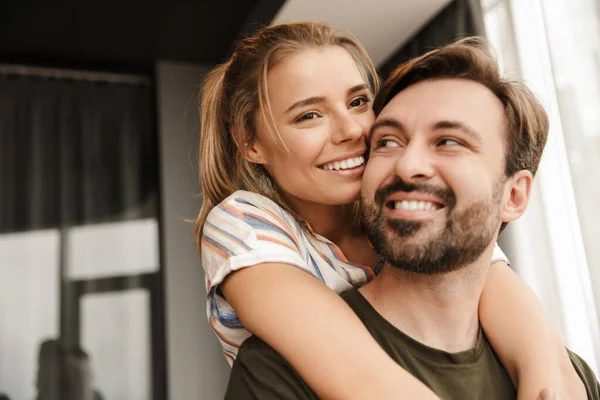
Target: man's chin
x: 410, y: 246
x: 421, y: 231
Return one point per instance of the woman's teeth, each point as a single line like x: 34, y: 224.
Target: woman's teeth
x: 414, y: 205
x: 344, y: 164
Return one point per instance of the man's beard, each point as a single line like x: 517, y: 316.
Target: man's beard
x: 466, y: 235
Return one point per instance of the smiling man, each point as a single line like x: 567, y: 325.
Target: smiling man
x: 452, y: 156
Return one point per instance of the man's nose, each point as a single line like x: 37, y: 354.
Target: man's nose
x: 414, y: 163
x: 346, y: 128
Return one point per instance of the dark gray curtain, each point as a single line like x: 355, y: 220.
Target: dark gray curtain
x: 74, y: 152
x: 459, y: 19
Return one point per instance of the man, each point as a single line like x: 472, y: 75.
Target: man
x: 452, y: 157
x: 64, y: 374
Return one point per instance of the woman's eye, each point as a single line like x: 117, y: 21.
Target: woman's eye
x: 359, y: 101
x: 308, y: 116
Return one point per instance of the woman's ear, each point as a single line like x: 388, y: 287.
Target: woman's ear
x: 517, y: 195
x: 254, y: 151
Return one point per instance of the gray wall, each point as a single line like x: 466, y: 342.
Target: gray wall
x: 196, y: 367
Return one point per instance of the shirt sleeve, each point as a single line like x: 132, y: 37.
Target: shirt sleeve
x: 586, y: 374
x: 260, y: 373
x: 248, y: 229
x: 498, y: 255
x: 244, y: 230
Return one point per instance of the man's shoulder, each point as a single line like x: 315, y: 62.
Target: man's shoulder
x: 587, y: 375
x: 259, y: 372
x: 255, y: 349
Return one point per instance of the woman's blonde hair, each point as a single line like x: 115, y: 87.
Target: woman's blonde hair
x: 234, y: 92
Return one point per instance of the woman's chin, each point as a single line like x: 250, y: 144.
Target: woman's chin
x: 342, y: 199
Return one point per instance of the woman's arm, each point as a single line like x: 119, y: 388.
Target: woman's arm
x: 318, y: 334
x: 524, y: 338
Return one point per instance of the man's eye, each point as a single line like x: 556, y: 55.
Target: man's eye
x: 449, y: 142
x: 359, y: 101
x: 386, y: 143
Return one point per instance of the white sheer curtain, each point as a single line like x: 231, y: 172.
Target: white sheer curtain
x: 554, y: 46
x: 29, y: 306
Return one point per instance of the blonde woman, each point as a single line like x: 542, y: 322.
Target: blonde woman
x: 281, y: 160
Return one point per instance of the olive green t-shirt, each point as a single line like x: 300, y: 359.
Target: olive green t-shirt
x: 259, y: 372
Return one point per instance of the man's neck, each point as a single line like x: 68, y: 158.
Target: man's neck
x: 440, y: 311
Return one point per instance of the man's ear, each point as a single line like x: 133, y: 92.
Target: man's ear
x: 516, y: 196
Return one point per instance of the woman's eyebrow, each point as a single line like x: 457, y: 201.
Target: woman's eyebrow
x: 306, y: 102
x: 321, y: 99
x: 358, y: 88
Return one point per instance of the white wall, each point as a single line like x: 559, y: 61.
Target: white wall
x: 196, y: 366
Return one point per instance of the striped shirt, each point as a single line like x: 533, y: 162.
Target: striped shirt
x: 249, y: 229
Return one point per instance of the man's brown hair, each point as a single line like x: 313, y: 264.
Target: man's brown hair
x: 470, y: 58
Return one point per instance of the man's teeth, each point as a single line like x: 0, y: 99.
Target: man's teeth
x: 414, y: 205
x: 345, y: 164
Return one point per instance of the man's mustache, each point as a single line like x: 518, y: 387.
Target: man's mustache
x: 444, y: 194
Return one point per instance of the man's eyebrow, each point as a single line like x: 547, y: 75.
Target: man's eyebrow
x: 447, y: 124
x: 321, y: 99
x: 385, y: 122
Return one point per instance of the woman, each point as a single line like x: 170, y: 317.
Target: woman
x: 281, y: 156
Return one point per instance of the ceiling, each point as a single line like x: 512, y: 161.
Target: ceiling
x: 119, y: 35
x: 124, y: 34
